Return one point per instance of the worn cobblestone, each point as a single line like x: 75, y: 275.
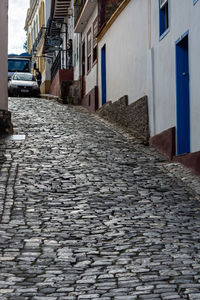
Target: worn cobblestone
x: 89, y: 212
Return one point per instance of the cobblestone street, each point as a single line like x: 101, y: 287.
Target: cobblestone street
x: 88, y: 213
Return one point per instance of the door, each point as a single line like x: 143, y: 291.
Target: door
x: 103, y: 74
x: 183, y: 96
x: 83, y: 71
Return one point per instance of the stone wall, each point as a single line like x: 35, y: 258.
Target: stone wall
x: 75, y: 92
x: 6, y: 126
x: 133, y: 116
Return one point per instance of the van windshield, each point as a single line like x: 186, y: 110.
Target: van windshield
x: 15, y: 65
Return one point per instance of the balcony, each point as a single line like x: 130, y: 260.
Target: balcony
x: 62, y: 65
x: 78, y: 6
x: 60, y: 9
x: 61, y: 76
x: 82, y: 11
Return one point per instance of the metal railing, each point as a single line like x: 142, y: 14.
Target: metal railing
x: 56, y: 66
x: 37, y: 40
x: 63, y: 61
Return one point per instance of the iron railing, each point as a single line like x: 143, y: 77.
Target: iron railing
x: 63, y: 61
x: 37, y: 40
x: 56, y: 66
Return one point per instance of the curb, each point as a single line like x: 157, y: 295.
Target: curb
x: 51, y: 97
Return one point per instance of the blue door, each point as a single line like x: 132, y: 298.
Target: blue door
x: 183, y: 96
x: 103, y: 74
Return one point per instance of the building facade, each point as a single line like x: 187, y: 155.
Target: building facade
x: 149, y: 67
x: 175, y: 69
x: 37, y: 17
x: 5, y: 116
x: 86, y: 25
x: 123, y: 63
x: 90, y: 17
x: 59, y: 44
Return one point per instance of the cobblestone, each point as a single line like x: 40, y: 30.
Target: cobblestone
x: 89, y: 212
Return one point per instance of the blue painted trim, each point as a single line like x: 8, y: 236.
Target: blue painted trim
x: 103, y: 74
x: 162, y: 31
x: 176, y: 43
x: 182, y: 37
x: 164, y: 34
x: 194, y: 2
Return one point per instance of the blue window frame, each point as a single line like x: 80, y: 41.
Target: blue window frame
x: 163, y: 18
x: 194, y: 2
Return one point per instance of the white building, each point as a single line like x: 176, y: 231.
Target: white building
x: 174, y: 99
x: 124, y: 42
x: 151, y: 48
x: 4, y: 54
x: 37, y: 17
x: 5, y: 115
x: 77, y: 48
x: 86, y: 24
x: 59, y: 32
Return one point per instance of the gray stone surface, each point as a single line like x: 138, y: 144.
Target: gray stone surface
x: 132, y: 116
x: 88, y: 212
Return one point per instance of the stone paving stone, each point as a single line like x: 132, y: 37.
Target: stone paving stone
x: 89, y: 212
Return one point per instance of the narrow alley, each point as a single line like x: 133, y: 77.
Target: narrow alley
x: 88, y: 214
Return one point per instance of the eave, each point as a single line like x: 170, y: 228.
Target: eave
x: 112, y: 20
x: 85, y: 15
x: 59, y: 9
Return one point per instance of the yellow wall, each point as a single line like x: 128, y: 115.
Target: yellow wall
x: 29, y: 43
x: 41, y: 15
x: 42, y: 65
x: 41, y: 23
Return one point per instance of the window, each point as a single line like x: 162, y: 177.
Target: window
x: 89, y: 50
x: 95, y: 31
x: 164, y: 17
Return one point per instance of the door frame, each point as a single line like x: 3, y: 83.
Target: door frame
x: 83, y: 61
x: 179, y: 150
x: 103, y: 75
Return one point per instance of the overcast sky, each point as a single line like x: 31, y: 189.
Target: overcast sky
x: 16, y: 33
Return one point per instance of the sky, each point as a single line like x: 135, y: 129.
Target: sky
x: 16, y: 22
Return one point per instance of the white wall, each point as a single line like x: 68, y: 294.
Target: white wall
x: 4, y: 54
x: 183, y: 16
x: 91, y: 77
x: 47, y: 10
x: 139, y: 64
x: 77, y: 55
x: 76, y: 38
x: 126, y: 53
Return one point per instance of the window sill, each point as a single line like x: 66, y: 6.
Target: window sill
x: 164, y: 34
